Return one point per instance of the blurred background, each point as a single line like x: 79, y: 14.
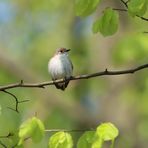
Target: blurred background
x: 31, y: 31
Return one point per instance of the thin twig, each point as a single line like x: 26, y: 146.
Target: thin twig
x: 143, y: 18
x: 85, y: 76
x: 2, y: 144
x: 60, y: 130
x: 66, y: 130
x: 16, y: 101
x: 119, y: 9
x: 126, y: 5
x: 24, y: 101
x: 7, y: 136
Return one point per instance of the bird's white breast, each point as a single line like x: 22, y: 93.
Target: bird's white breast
x: 60, y: 67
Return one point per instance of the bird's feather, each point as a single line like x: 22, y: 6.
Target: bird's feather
x: 60, y: 67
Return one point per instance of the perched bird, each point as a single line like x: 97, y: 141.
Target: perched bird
x: 60, y: 67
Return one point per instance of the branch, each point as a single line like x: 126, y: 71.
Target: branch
x: 85, y: 76
x: 126, y: 5
x: 16, y: 101
x: 3, y: 145
x: 66, y: 130
x: 46, y: 130
x: 6, y: 136
x: 119, y: 9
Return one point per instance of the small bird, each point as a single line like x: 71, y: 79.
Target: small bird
x: 60, y: 67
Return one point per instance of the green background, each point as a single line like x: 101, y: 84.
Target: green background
x: 31, y: 31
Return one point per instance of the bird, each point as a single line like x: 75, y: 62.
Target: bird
x: 60, y: 67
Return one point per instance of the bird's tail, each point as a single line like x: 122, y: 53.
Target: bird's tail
x: 62, y: 85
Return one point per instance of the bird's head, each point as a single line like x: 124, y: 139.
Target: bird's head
x: 62, y: 51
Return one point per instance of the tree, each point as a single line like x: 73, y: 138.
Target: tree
x: 27, y: 37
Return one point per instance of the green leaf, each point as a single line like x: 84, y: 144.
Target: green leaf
x: 98, y: 143
x: 137, y: 7
x: 107, y: 131
x: 86, y: 140
x: 39, y: 129
x: 107, y: 24
x: 60, y: 140
x: 31, y: 128
x: 85, y: 7
x: 25, y: 130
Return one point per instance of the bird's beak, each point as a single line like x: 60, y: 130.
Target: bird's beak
x: 67, y: 50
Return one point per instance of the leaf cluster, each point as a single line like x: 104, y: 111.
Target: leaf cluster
x: 34, y: 128
x: 108, y: 23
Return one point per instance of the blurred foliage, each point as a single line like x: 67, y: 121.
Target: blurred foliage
x: 137, y: 7
x: 60, y: 140
x: 32, y: 128
x: 31, y: 31
x: 107, y: 24
x: 133, y: 47
x: 85, y: 8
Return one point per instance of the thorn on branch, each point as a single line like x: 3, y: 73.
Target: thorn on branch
x: 10, y: 134
x: 106, y: 71
x: 21, y: 82
x: 41, y: 86
x: 145, y: 32
x: 24, y: 101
